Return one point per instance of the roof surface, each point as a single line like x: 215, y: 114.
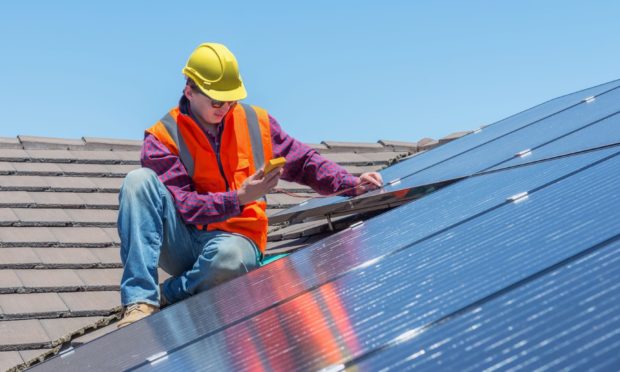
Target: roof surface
x: 60, y: 266
x: 512, y: 264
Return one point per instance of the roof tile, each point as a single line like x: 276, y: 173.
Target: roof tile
x: 37, y: 168
x: 30, y: 303
x: 23, y: 183
x: 346, y: 158
x: 7, y: 168
x: 112, y: 143
x: 17, y: 256
x: 109, y: 255
x: 57, y: 256
x: 108, y: 184
x: 427, y: 144
x: 56, y: 199
x: 103, y: 216
x: 80, y: 235
x: 15, y: 332
x: 40, y: 215
x: 28, y: 355
x: 53, y: 278
x: 100, y: 277
x: 128, y: 156
x: 9, y: 279
x: 9, y: 359
x: 113, y: 234
x: 84, y: 169
x: 453, y: 136
x: 353, y: 146
x: 99, y: 198
x: 10, y: 143
x: 57, y: 328
x: 13, y: 198
x: 383, y: 157
x: 63, y: 156
x: 90, y: 156
x: 71, y: 183
x: 13, y: 155
x: 20, y: 235
x: 7, y: 217
x: 91, y: 301
x: 400, y: 145
x: 32, y: 142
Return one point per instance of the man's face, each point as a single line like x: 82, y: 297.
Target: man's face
x: 202, y: 106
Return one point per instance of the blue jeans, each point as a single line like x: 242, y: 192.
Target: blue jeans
x: 153, y: 234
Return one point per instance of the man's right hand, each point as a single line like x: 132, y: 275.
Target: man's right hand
x: 258, y: 185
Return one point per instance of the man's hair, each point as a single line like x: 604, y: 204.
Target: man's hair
x: 189, y: 82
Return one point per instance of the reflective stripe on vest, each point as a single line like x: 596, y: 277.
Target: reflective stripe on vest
x: 184, y: 155
x: 256, y: 140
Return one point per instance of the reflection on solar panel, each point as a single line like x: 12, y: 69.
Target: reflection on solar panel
x: 515, y: 267
x: 515, y: 137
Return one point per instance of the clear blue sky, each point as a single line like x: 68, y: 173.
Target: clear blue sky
x: 327, y: 70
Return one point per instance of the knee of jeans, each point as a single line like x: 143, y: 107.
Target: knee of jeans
x: 138, y: 179
x: 232, y: 260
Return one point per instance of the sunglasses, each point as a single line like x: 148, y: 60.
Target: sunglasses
x: 218, y: 104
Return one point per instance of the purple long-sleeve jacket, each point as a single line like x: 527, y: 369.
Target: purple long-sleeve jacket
x: 303, y: 165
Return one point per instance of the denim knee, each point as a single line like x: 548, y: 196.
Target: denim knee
x: 138, y: 180
x: 232, y: 260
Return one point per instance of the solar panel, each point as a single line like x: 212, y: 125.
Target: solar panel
x: 411, y: 290
x: 567, y: 318
x: 418, y: 244
x: 490, y: 147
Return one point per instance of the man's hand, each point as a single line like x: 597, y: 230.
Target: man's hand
x: 258, y: 185
x: 368, y: 181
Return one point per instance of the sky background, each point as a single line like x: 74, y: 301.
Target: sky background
x: 356, y: 71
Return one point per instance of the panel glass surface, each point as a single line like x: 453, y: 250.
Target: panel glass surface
x: 210, y: 317
x: 430, y: 281
x: 566, y: 319
x: 479, y: 151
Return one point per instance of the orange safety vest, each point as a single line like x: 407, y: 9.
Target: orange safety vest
x: 245, y: 147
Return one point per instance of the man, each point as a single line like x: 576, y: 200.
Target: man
x: 196, y: 207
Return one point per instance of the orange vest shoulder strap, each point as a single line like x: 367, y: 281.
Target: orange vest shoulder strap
x: 173, y: 139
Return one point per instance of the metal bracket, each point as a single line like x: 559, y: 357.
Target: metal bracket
x: 329, y: 222
x: 524, y: 153
x: 517, y: 198
x: 156, y: 358
x: 589, y: 99
x: 394, y: 182
x: 356, y: 225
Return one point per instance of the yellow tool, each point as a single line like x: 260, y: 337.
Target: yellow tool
x: 274, y: 164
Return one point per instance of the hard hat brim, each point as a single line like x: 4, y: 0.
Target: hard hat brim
x: 236, y: 94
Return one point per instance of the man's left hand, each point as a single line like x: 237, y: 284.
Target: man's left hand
x: 368, y: 181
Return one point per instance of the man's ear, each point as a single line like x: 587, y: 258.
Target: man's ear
x: 188, y: 92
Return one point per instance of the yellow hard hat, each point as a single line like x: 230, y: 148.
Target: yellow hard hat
x: 215, y: 71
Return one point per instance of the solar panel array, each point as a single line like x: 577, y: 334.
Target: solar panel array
x: 513, y: 266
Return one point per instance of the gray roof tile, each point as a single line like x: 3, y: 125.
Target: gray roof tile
x: 7, y: 168
x: 353, y: 146
x: 400, y: 145
x: 7, y: 217
x: 40, y: 215
x: 77, y: 341
x: 15, y: 332
x: 113, y: 234
x: 109, y: 255
x: 17, y: 256
x: 91, y: 301
x: 96, y: 156
x: 84, y: 169
x: 71, y: 183
x: 108, y: 184
x: 61, y: 156
x: 57, y: 328
x: 80, y: 235
x: 56, y: 199
x: 32, y: 142
x: 426, y: 144
x: 25, y: 168
x: 284, y: 200
x: 128, y: 156
x: 18, y: 235
x: 453, y: 136
x: 28, y: 355
x: 13, y: 198
x: 13, y: 154
x: 57, y: 256
x: 9, y: 279
x: 55, y: 278
x: 101, y: 277
x: 30, y: 303
x: 383, y: 158
x: 99, y: 199
x: 9, y: 359
x: 81, y: 216
x: 25, y: 183
x: 346, y: 158
x: 10, y: 143
x: 356, y: 170
x: 112, y: 143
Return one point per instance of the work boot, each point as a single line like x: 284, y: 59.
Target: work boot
x: 135, y: 312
